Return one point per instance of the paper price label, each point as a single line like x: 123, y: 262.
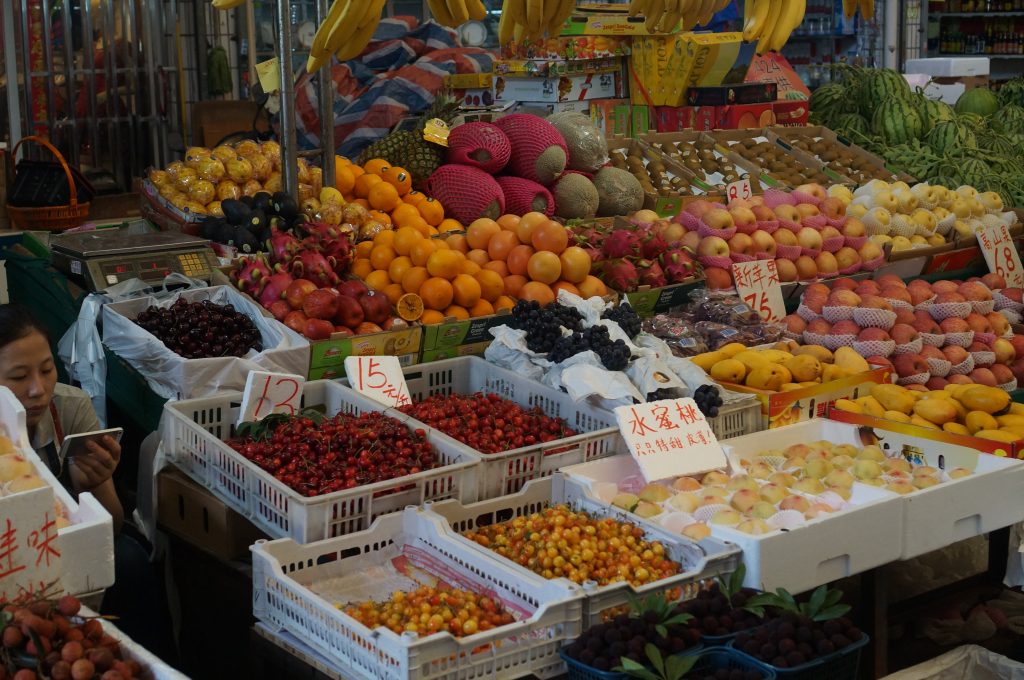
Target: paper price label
x: 267, y: 393
x: 740, y: 189
x: 1001, y: 254
x: 757, y: 284
x: 379, y: 378
x: 269, y: 74
x: 669, y: 438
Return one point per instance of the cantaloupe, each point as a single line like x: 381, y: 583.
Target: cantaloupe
x: 619, y: 192
x: 575, y: 196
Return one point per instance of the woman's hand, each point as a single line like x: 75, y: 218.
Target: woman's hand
x: 92, y: 469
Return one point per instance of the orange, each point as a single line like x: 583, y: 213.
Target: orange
x: 460, y: 313
x: 543, y: 266
x: 344, y: 180
x: 479, y: 233
x: 414, y: 278
x: 498, y: 266
x: 385, y: 237
x: 431, y: 316
x: 381, y: 217
x: 399, y: 178
x: 467, y: 290
x: 383, y: 196
x: 375, y: 165
x: 341, y: 161
x: 592, y: 287
x: 448, y: 224
x: 398, y: 267
x: 575, y: 264
x: 479, y: 256
x: 420, y: 225
x: 361, y: 267
x: 364, y: 183
x: 409, y: 307
x: 491, y: 284
x: 394, y: 292
x: 363, y: 249
x: 432, y: 211
x: 361, y: 201
x: 504, y: 302
x: 421, y: 250
x: 381, y: 257
x: 469, y: 267
x: 518, y: 258
x: 508, y: 222
x: 378, y: 280
x: 414, y: 197
x: 356, y: 170
x: 432, y: 230
x: 501, y: 244
x: 529, y: 222
x: 457, y: 242
x: 534, y: 290
x: 441, y: 244
x: 444, y: 263
x: 565, y: 285
x: 551, y: 236
x: 405, y: 239
x: 404, y: 214
x: 513, y: 284
x: 481, y: 308
x: 437, y: 293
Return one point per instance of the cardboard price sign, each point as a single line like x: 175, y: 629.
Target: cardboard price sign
x: 669, y: 438
x: 267, y: 393
x: 757, y: 284
x: 774, y: 68
x: 1001, y: 254
x: 740, y: 189
x: 379, y: 378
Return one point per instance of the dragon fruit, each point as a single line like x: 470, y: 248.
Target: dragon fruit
x: 311, y: 264
x: 338, y: 252
x: 274, y: 290
x: 252, y: 273
x: 620, y: 275
x: 283, y: 245
x: 677, y: 264
x: 653, y: 244
x: 621, y: 243
x: 651, y: 274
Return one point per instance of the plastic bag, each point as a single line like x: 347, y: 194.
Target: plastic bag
x: 968, y: 661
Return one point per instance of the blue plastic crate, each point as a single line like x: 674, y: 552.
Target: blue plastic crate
x: 710, y: 659
x: 841, y: 665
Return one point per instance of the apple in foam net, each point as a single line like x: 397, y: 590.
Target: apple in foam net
x: 949, y: 298
x: 807, y: 210
x: 910, y: 364
x: 936, y: 383
x: 1018, y: 369
x: 829, y: 232
x: 983, y: 376
x: 763, y: 242
x: 843, y: 298
x: 1005, y: 353
x: 924, y: 323
x: 1002, y: 373
x: 1018, y: 344
x: 873, y: 334
x: 955, y: 354
x: 814, y: 189
x: 919, y: 295
x: 740, y: 243
x: 895, y: 293
x: 975, y: 291
x: 954, y: 325
x: 713, y: 246
x: 853, y: 228
x: 816, y: 289
x: 832, y: 208
x: 763, y: 213
x: 847, y: 257
x: 806, y: 268
x: 794, y: 323
x: 826, y: 263
x: 1013, y: 294
x: 717, y: 278
x: 994, y: 281
x: 999, y: 323
x: 787, y: 270
x: 819, y: 326
x: 785, y: 237
x: 699, y: 207
x: 945, y: 286
x: 869, y: 252
x: 845, y: 327
x: 742, y: 216
x: 718, y: 218
x: 978, y: 323
x: 875, y: 302
x: 958, y: 379
x: 903, y: 334
x: 929, y: 352
x: 787, y: 212
x: 868, y: 287
x: 815, y: 303
x: 886, y: 280
x: 843, y: 283
x: 691, y: 240
x: 904, y: 315
x: 809, y: 238
x: 876, y: 360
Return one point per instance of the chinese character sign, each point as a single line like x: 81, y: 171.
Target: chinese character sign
x: 30, y: 551
x: 669, y: 438
x: 267, y: 393
x: 757, y: 284
x: 1001, y: 254
x: 379, y: 378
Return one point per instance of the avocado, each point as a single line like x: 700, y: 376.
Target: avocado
x: 262, y: 201
x: 235, y: 212
x: 245, y: 241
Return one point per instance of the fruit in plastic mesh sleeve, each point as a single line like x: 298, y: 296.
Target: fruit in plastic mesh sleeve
x: 575, y: 197
x: 523, y: 196
x: 588, y: 150
x: 618, y: 191
x: 538, y: 151
x: 466, y: 193
x: 480, y: 145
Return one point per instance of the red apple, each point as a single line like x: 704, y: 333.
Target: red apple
x: 280, y: 309
x: 910, y: 364
x: 717, y: 278
x: 929, y: 352
x: 889, y: 280
x: 949, y: 298
x: 954, y: 325
x: 318, y: 329
x: 904, y: 315
x: 845, y: 327
x: 297, y: 291
x: 975, y: 291
x: 843, y: 297
x: 819, y: 327
x: 945, y: 286
x: 873, y: 334
x: 1000, y: 326
x: 1002, y: 374
x: 903, y: 334
x: 350, y: 312
x: 955, y: 354
x: 321, y: 304
x: 994, y: 281
x: 978, y: 323
x: 794, y: 324
x: 867, y: 286
x: 1018, y: 369
x: 924, y: 323
x: 983, y: 376
x: 843, y: 283
x: 936, y: 383
x: 958, y: 379
x: 880, y: 361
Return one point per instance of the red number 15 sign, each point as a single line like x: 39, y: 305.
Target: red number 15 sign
x: 757, y: 284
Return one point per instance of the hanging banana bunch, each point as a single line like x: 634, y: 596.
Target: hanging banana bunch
x: 454, y: 13
x: 345, y: 32
x: 665, y: 16
x: 530, y: 20
x: 866, y: 7
x: 770, y: 22
x: 227, y: 4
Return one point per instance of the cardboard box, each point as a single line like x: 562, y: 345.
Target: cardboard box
x: 564, y: 88
x: 193, y: 513
x: 666, y: 206
x: 476, y: 98
x: 327, y: 357
x: 455, y: 333
x: 743, y: 93
x: 570, y: 48
x: 469, y: 81
x: 472, y: 349
x: 614, y: 117
x: 675, y: 118
x: 968, y: 82
x: 949, y: 67
x: 744, y: 116
x: 650, y: 301
x: 791, y: 112
x: 554, y: 107
x: 605, y: 22
x: 785, y: 135
x: 710, y: 59
x: 553, y: 68
x: 708, y: 184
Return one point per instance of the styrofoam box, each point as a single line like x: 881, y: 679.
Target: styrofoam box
x: 193, y: 431
x: 824, y: 549
x: 949, y: 67
x: 296, y: 589
x: 506, y: 472
x: 700, y: 561
x: 152, y: 667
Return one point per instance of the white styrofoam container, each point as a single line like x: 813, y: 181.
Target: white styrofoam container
x: 949, y: 67
x: 287, y: 575
x: 193, y: 431
x: 700, y: 561
x: 152, y: 667
x: 945, y: 93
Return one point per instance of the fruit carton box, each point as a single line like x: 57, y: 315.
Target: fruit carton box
x: 569, y: 48
x: 603, y: 20
x: 670, y: 203
x: 327, y: 357
x: 700, y: 561
x: 956, y: 509
x: 300, y: 589
x: 728, y: 138
x: 194, y: 433
x: 784, y: 135
x: 575, y: 87
x: 453, y: 333
x: 865, y: 535
x: 553, y: 68
x: 465, y: 350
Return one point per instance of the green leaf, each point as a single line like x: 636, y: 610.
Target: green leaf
x: 756, y: 611
x: 654, y: 654
x: 679, y: 666
x: 736, y: 580
x: 764, y: 600
x: 832, y: 598
x: 635, y: 670
x: 789, y: 600
x: 818, y: 599
x: 678, y: 619
x: 833, y: 612
x: 661, y: 630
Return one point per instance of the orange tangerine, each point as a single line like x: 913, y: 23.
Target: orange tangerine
x: 356, y: 170
x: 527, y: 223
x: 479, y: 233
x: 501, y: 244
x: 442, y: 244
x: 385, y: 237
x: 398, y: 267
x: 469, y: 267
x: 432, y: 230
x: 449, y: 224
x: 535, y: 290
x: 394, y: 292
x: 364, y: 183
x: 381, y: 256
x: 457, y: 242
x: 378, y: 280
x: 397, y: 177
x: 432, y: 211
x: 491, y: 284
x: 518, y: 259
x: 375, y: 165
x: 431, y: 316
x: 514, y: 283
x: 341, y: 161
x: 363, y: 249
x: 414, y: 278
x: 361, y: 201
x: 444, y: 263
x: 421, y: 250
x: 508, y: 222
x: 504, y: 302
x: 382, y: 217
x: 481, y: 308
x: 457, y: 311
x: 467, y: 290
x: 420, y: 225
x: 437, y: 293
x: 344, y: 179
x: 498, y: 266
x: 479, y: 256
x: 409, y: 307
x: 544, y: 266
x: 361, y: 267
x: 551, y: 236
x: 592, y: 287
x: 404, y: 214
x: 414, y: 197
x: 575, y: 264
x: 383, y: 196
x: 405, y: 239
x: 564, y: 285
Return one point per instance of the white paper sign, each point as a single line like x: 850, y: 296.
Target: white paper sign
x: 757, y: 284
x: 669, y: 438
x: 267, y: 393
x: 1001, y: 254
x: 738, y: 189
x: 379, y: 378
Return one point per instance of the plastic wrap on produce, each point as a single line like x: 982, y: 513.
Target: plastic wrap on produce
x: 591, y: 308
x: 968, y: 661
x: 584, y: 380
x: 651, y: 374
x: 509, y: 351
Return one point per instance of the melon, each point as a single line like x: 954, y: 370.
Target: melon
x: 575, y: 197
x: 980, y: 100
x: 896, y: 121
x: 588, y: 150
x: 619, y: 192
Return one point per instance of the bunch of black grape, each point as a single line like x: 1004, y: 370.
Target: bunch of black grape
x: 197, y: 330
x: 543, y: 325
x: 626, y: 317
x: 614, y: 355
x: 708, y: 400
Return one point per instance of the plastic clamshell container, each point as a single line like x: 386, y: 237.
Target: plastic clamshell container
x: 700, y: 561
x: 286, y: 576
x: 193, y: 432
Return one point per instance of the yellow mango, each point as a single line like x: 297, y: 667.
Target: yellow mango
x: 732, y: 349
x: 847, y: 405
x: 997, y: 435
x: 729, y: 370
x: 983, y: 398
x: 921, y: 422
x: 776, y: 356
x: 830, y: 372
x: 1016, y: 429
x: 1017, y: 409
x: 789, y: 387
x: 979, y: 420
x: 847, y: 358
x: 897, y: 416
x: 769, y: 377
x: 955, y: 428
x: 871, y: 406
x: 822, y: 354
x: 937, y: 411
x: 708, y: 359
x: 937, y: 394
x: 751, y: 359
x: 803, y: 368
x: 893, y: 397
x: 1010, y: 420
x: 810, y: 383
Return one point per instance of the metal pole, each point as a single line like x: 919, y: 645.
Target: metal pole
x: 250, y: 33
x: 289, y: 167
x: 70, y: 75
x: 11, y: 67
x: 891, y: 35
x: 51, y: 80
x: 26, y: 67
x: 326, y: 109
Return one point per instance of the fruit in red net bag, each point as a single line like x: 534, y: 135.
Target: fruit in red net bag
x: 466, y: 193
x: 480, y: 145
x: 523, y: 196
x: 538, y: 151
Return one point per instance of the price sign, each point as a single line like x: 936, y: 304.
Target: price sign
x: 1001, y: 254
x: 757, y: 284
x: 267, y: 393
x: 740, y: 189
x: 379, y: 378
x: 669, y: 438
x: 269, y: 74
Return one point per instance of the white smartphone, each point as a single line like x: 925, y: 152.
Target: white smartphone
x: 75, y: 444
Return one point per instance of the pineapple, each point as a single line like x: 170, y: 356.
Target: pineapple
x: 408, y: 149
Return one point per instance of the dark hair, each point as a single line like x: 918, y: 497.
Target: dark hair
x: 16, y: 322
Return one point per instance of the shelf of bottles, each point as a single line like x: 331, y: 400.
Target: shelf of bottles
x: 989, y: 36
x: 974, y: 7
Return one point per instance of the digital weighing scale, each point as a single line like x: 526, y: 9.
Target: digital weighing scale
x: 102, y: 258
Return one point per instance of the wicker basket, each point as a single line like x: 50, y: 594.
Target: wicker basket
x: 49, y: 218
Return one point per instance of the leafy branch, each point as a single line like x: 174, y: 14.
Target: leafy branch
x: 823, y: 605
x: 673, y: 667
x: 662, y: 608
x: 261, y: 430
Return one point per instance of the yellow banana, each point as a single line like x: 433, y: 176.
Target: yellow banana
x: 320, y: 39
x: 227, y: 4
x: 764, y: 42
x: 754, y: 27
x: 364, y: 33
x: 669, y: 20
x: 518, y: 32
x: 477, y: 10
x: 516, y: 10
x: 334, y: 31
x: 439, y: 10
x: 535, y: 15
x: 867, y: 9
x: 849, y: 8
x: 638, y: 7
x: 791, y: 17
x: 565, y: 8
x: 348, y: 23
x: 505, y: 29
x: 459, y: 11
x: 707, y: 10
x: 690, y: 10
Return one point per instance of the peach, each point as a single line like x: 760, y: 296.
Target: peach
x: 798, y: 503
x: 903, y: 334
x: 954, y: 325
x: 686, y: 484
x: 696, y: 532
x: 873, y: 334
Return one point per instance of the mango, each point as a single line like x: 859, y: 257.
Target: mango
x: 830, y: 372
x: 822, y: 354
x: 769, y: 377
x: 850, y: 406
x: 1010, y: 420
x: 1016, y: 429
x: 776, y: 356
x: 708, y: 359
x: 803, y: 368
x: 847, y: 358
x: 789, y: 387
x: 997, y: 435
x: 751, y: 359
x: 732, y: 349
x: 729, y: 370
x: 897, y: 416
x: 979, y: 420
x: 786, y: 345
x: 893, y: 397
x: 921, y: 422
x: 871, y: 406
x: 955, y: 428
x: 937, y: 394
x: 937, y: 411
x: 1017, y: 409
x: 983, y: 398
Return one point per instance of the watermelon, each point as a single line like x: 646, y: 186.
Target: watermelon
x: 1012, y: 92
x: 980, y: 100
x: 828, y: 101
x: 974, y: 171
x: 879, y: 86
x: 897, y: 121
x: 933, y: 111
x: 848, y: 123
x: 948, y: 135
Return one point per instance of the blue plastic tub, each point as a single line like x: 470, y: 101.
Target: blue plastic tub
x: 710, y: 659
x: 841, y: 665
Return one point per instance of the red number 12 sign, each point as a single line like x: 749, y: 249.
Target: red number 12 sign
x: 757, y: 284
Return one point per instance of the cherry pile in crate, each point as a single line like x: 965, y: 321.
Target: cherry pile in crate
x: 316, y: 455
x: 559, y: 542
x: 201, y: 330
x: 429, y: 610
x: 487, y: 422
x: 48, y: 639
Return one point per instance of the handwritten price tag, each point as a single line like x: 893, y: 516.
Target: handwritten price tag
x: 379, y: 378
x: 1001, y: 254
x: 740, y: 189
x: 267, y: 393
x: 757, y: 284
x: 669, y: 438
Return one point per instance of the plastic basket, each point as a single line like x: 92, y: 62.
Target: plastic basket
x: 284, y: 571
x: 710, y: 659
x: 841, y: 665
x: 737, y: 418
x: 701, y: 561
x: 192, y: 432
x: 507, y: 472
x: 50, y: 218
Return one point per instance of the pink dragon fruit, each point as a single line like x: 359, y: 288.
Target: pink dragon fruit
x: 677, y: 264
x: 274, y: 290
x: 595, y: 254
x: 653, y: 244
x: 651, y: 274
x: 338, y: 252
x: 283, y: 245
x: 621, y: 243
x: 252, y: 273
x: 311, y: 264
x: 620, y: 275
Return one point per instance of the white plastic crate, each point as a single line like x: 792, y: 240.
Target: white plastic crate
x: 193, y: 432
x: 700, y: 561
x: 737, y: 418
x: 287, y: 578
x: 507, y: 472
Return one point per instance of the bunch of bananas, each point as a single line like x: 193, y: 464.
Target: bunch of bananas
x: 227, y: 4
x: 454, y: 13
x: 664, y: 16
x: 866, y: 7
x: 525, y: 21
x: 345, y: 32
x: 770, y: 22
